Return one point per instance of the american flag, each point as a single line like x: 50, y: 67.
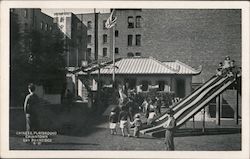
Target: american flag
x: 111, y: 21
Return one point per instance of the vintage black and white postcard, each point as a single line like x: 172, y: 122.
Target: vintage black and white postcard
x: 112, y: 79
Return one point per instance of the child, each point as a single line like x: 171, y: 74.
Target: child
x: 227, y: 64
x: 219, y: 69
x: 131, y: 108
x: 112, y: 122
x: 157, y: 105
x: 137, y: 123
x: 149, y: 102
x: 144, y: 105
x: 151, y: 114
x: 232, y: 69
x: 123, y: 118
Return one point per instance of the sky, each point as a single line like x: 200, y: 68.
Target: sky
x: 51, y: 11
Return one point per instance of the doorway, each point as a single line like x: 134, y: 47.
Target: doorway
x: 180, y: 88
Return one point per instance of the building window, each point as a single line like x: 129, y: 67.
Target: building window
x: 138, y: 40
x: 104, y: 27
x: 116, y: 33
x: 130, y: 22
x: 130, y: 54
x: 144, y: 86
x: 130, y: 40
x: 41, y: 25
x: 138, y: 22
x: 138, y: 54
x: 104, y: 52
x: 105, y: 38
x: 89, y: 52
x: 26, y: 13
x: 89, y: 25
x: 161, y: 85
x: 61, y: 19
x: 89, y: 39
x: 116, y: 50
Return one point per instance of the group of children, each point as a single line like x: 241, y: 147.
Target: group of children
x: 122, y: 115
x: 226, y: 68
x: 152, y: 108
x: 122, y: 119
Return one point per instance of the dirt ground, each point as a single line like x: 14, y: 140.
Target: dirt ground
x: 226, y: 137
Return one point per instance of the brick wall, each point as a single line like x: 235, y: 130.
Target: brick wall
x: 196, y: 37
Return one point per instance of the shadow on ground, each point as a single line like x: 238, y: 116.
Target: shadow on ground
x: 199, y: 132
x: 89, y: 127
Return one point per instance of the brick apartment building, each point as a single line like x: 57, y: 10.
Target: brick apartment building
x: 193, y: 36
x: 75, y: 32
x: 71, y: 28
x: 103, y: 34
x: 28, y: 20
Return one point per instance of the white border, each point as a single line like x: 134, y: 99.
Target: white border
x: 4, y: 74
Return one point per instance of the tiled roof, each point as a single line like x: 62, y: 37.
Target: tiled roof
x: 150, y: 65
x: 181, y: 67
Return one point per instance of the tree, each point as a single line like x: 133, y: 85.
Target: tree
x: 36, y: 57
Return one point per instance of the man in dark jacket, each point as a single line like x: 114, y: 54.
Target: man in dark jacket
x: 30, y: 104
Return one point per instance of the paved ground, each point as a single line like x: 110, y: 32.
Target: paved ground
x: 219, y: 138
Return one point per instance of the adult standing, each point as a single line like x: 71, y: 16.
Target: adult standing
x: 170, y: 127
x: 122, y: 95
x: 30, y: 106
x: 131, y: 108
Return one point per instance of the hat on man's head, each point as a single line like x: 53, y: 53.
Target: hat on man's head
x: 169, y: 111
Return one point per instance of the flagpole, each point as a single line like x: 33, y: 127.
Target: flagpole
x: 113, y: 50
x: 110, y: 24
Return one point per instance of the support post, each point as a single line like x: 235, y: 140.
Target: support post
x: 203, y: 121
x: 218, y: 107
x: 98, y: 89
x: 113, y: 51
x: 236, y: 111
x: 193, y: 122
x: 76, y: 85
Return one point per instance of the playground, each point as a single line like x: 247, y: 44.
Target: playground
x: 226, y: 137
x: 207, y: 134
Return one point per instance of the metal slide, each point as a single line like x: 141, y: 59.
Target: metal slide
x: 190, y: 97
x: 185, y: 111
